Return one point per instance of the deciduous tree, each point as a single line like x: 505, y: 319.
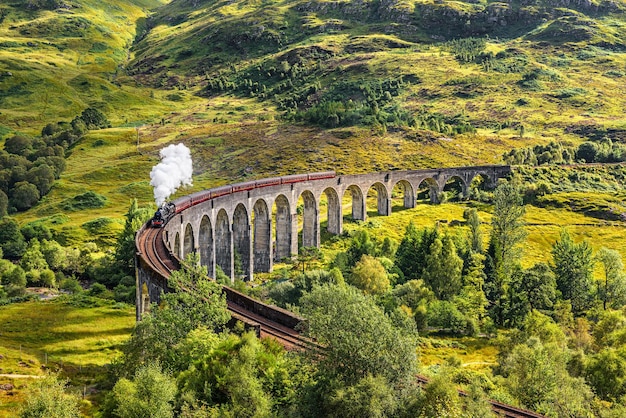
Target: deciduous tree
x: 573, y: 267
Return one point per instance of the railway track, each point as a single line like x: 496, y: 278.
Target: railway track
x: 501, y: 409
x: 150, y: 244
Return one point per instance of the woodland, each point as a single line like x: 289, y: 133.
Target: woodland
x: 514, y: 293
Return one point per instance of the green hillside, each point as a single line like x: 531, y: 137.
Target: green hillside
x: 269, y: 88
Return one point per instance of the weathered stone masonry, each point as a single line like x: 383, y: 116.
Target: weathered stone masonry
x: 241, y: 224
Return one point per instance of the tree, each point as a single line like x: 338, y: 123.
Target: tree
x: 240, y: 374
x: 370, y: 276
x: 14, y: 281
x: 24, y: 195
x: 536, y: 375
x: 476, y: 235
x: 308, y: 255
x: 18, y: 144
x: 440, y: 399
x: 413, y: 249
x: 443, y: 267
x: 54, y: 254
x: 533, y: 288
x: 614, y: 290
x: 361, y: 244
x: 11, y: 239
x: 94, y: 119
x: 606, y: 373
x: 42, y: 176
x: 504, y: 252
x: 361, y: 340
x: 33, y: 259
x: 125, y: 246
x: 195, y: 301
x: 573, y: 267
x: 149, y: 395
x: 587, y: 151
x: 472, y: 301
x: 4, y: 204
x: 47, y: 398
x: 370, y: 397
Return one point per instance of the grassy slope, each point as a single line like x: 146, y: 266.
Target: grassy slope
x: 78, y: 341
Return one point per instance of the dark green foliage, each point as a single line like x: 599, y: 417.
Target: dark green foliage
x: 24, y: 195
x: 4, y: 204
x: 467, y: 50
x: 445, y: 315
x: 573, y: 267
x: 606, y: 373
x: 195, y: 302
x: 361, y: 339
x: 42, y: 176
x: 413, y: 250
x: 11, y: 239
x: 533, y: 288
x: 87, y: 200
x: 32, y: 164
x: 504, y: 252
x: 93, y: 119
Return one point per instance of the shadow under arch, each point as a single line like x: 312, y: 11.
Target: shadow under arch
x: 205, y: 245
x: 310, y: 221
x: 241, y: 239
x: 427, y: 189
x: 223, y: 243
x: 455, y: 189
x: 479, y: 184
x: 262, y: 237
x: 177, y: 246
x: 383, y: 203
x: 188, y: 241
x: 334, y: 221
x: 406, y: 189
x: 284, y: 225
x: 358, y: 202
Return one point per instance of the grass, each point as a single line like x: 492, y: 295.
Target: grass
x: 77, y: 342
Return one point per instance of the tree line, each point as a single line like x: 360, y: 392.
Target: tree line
x: 31, y: 165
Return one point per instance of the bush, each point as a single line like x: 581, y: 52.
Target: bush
x: 71, y: 285
x: 88, y: 200
x: 445, y: 315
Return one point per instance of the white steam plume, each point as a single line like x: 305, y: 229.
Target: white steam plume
x: 173, y: 171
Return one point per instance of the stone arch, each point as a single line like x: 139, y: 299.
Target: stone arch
x: 456, y: 187
x: 205, y: 245
x: 310, y: 220
x: 407, y: 191
x: 428, y: 189
x: 284, y: 226
x: 177, y: 245
x: 188, y: 241
x: 223, y: 243
x: 262, y: 238
x: 334, y: 217
x: 358, y: 203
x: 383, y: 203
x: 241, y: 238
x: 478, y: 183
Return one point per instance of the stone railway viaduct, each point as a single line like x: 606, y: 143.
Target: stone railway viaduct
x: 242, y: 222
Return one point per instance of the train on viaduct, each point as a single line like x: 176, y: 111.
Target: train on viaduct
x: 238, y: 221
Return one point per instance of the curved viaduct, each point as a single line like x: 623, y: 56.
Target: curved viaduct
x: 260, y: 226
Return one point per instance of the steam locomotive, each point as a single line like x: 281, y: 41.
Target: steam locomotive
x: 169, y: 209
